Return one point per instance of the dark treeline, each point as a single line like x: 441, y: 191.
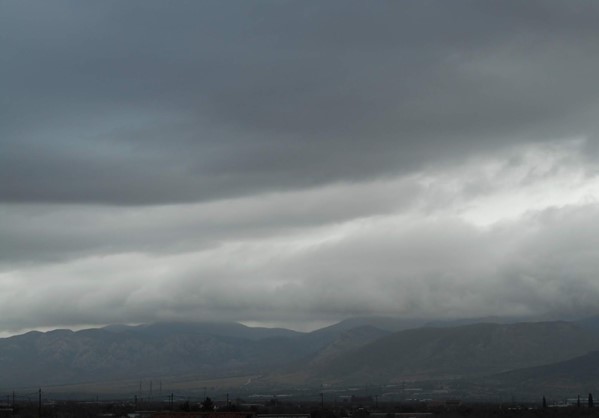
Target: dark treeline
x: 179, y: 407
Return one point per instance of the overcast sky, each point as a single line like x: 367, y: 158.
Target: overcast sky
x: 295, y: 163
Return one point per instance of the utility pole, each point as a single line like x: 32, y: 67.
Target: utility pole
x: 322, y: 400
x: 39, y: 403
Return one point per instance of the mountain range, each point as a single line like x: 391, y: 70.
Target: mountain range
x: 382, y: 351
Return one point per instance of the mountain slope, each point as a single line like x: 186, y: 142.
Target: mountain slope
x: 335, y: 354
x: 219, y: 329
x: 579, y: 375
x: 472, y: 350
x: 64, y: 356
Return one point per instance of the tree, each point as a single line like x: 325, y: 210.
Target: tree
x: 591, y: 404
x: 544, y: 402
x: 207, y: 405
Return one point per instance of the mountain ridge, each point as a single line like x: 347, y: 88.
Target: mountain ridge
x: 343, y: 354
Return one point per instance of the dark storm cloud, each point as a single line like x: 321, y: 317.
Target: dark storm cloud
x: 149, y: 102
x: 33, y: 234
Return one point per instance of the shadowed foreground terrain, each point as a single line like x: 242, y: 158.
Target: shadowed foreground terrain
x: 277, y: 409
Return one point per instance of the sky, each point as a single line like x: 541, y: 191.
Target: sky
x: 295, y: 163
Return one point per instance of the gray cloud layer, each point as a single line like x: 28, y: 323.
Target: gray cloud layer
x: 296, y: 161
x: 153, y: 103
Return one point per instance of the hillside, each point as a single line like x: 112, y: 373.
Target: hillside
x: 204, y: 350
x: 339, y: 354
x: 579, y: 375
x: 472, y: 350
x: 64, y: 356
